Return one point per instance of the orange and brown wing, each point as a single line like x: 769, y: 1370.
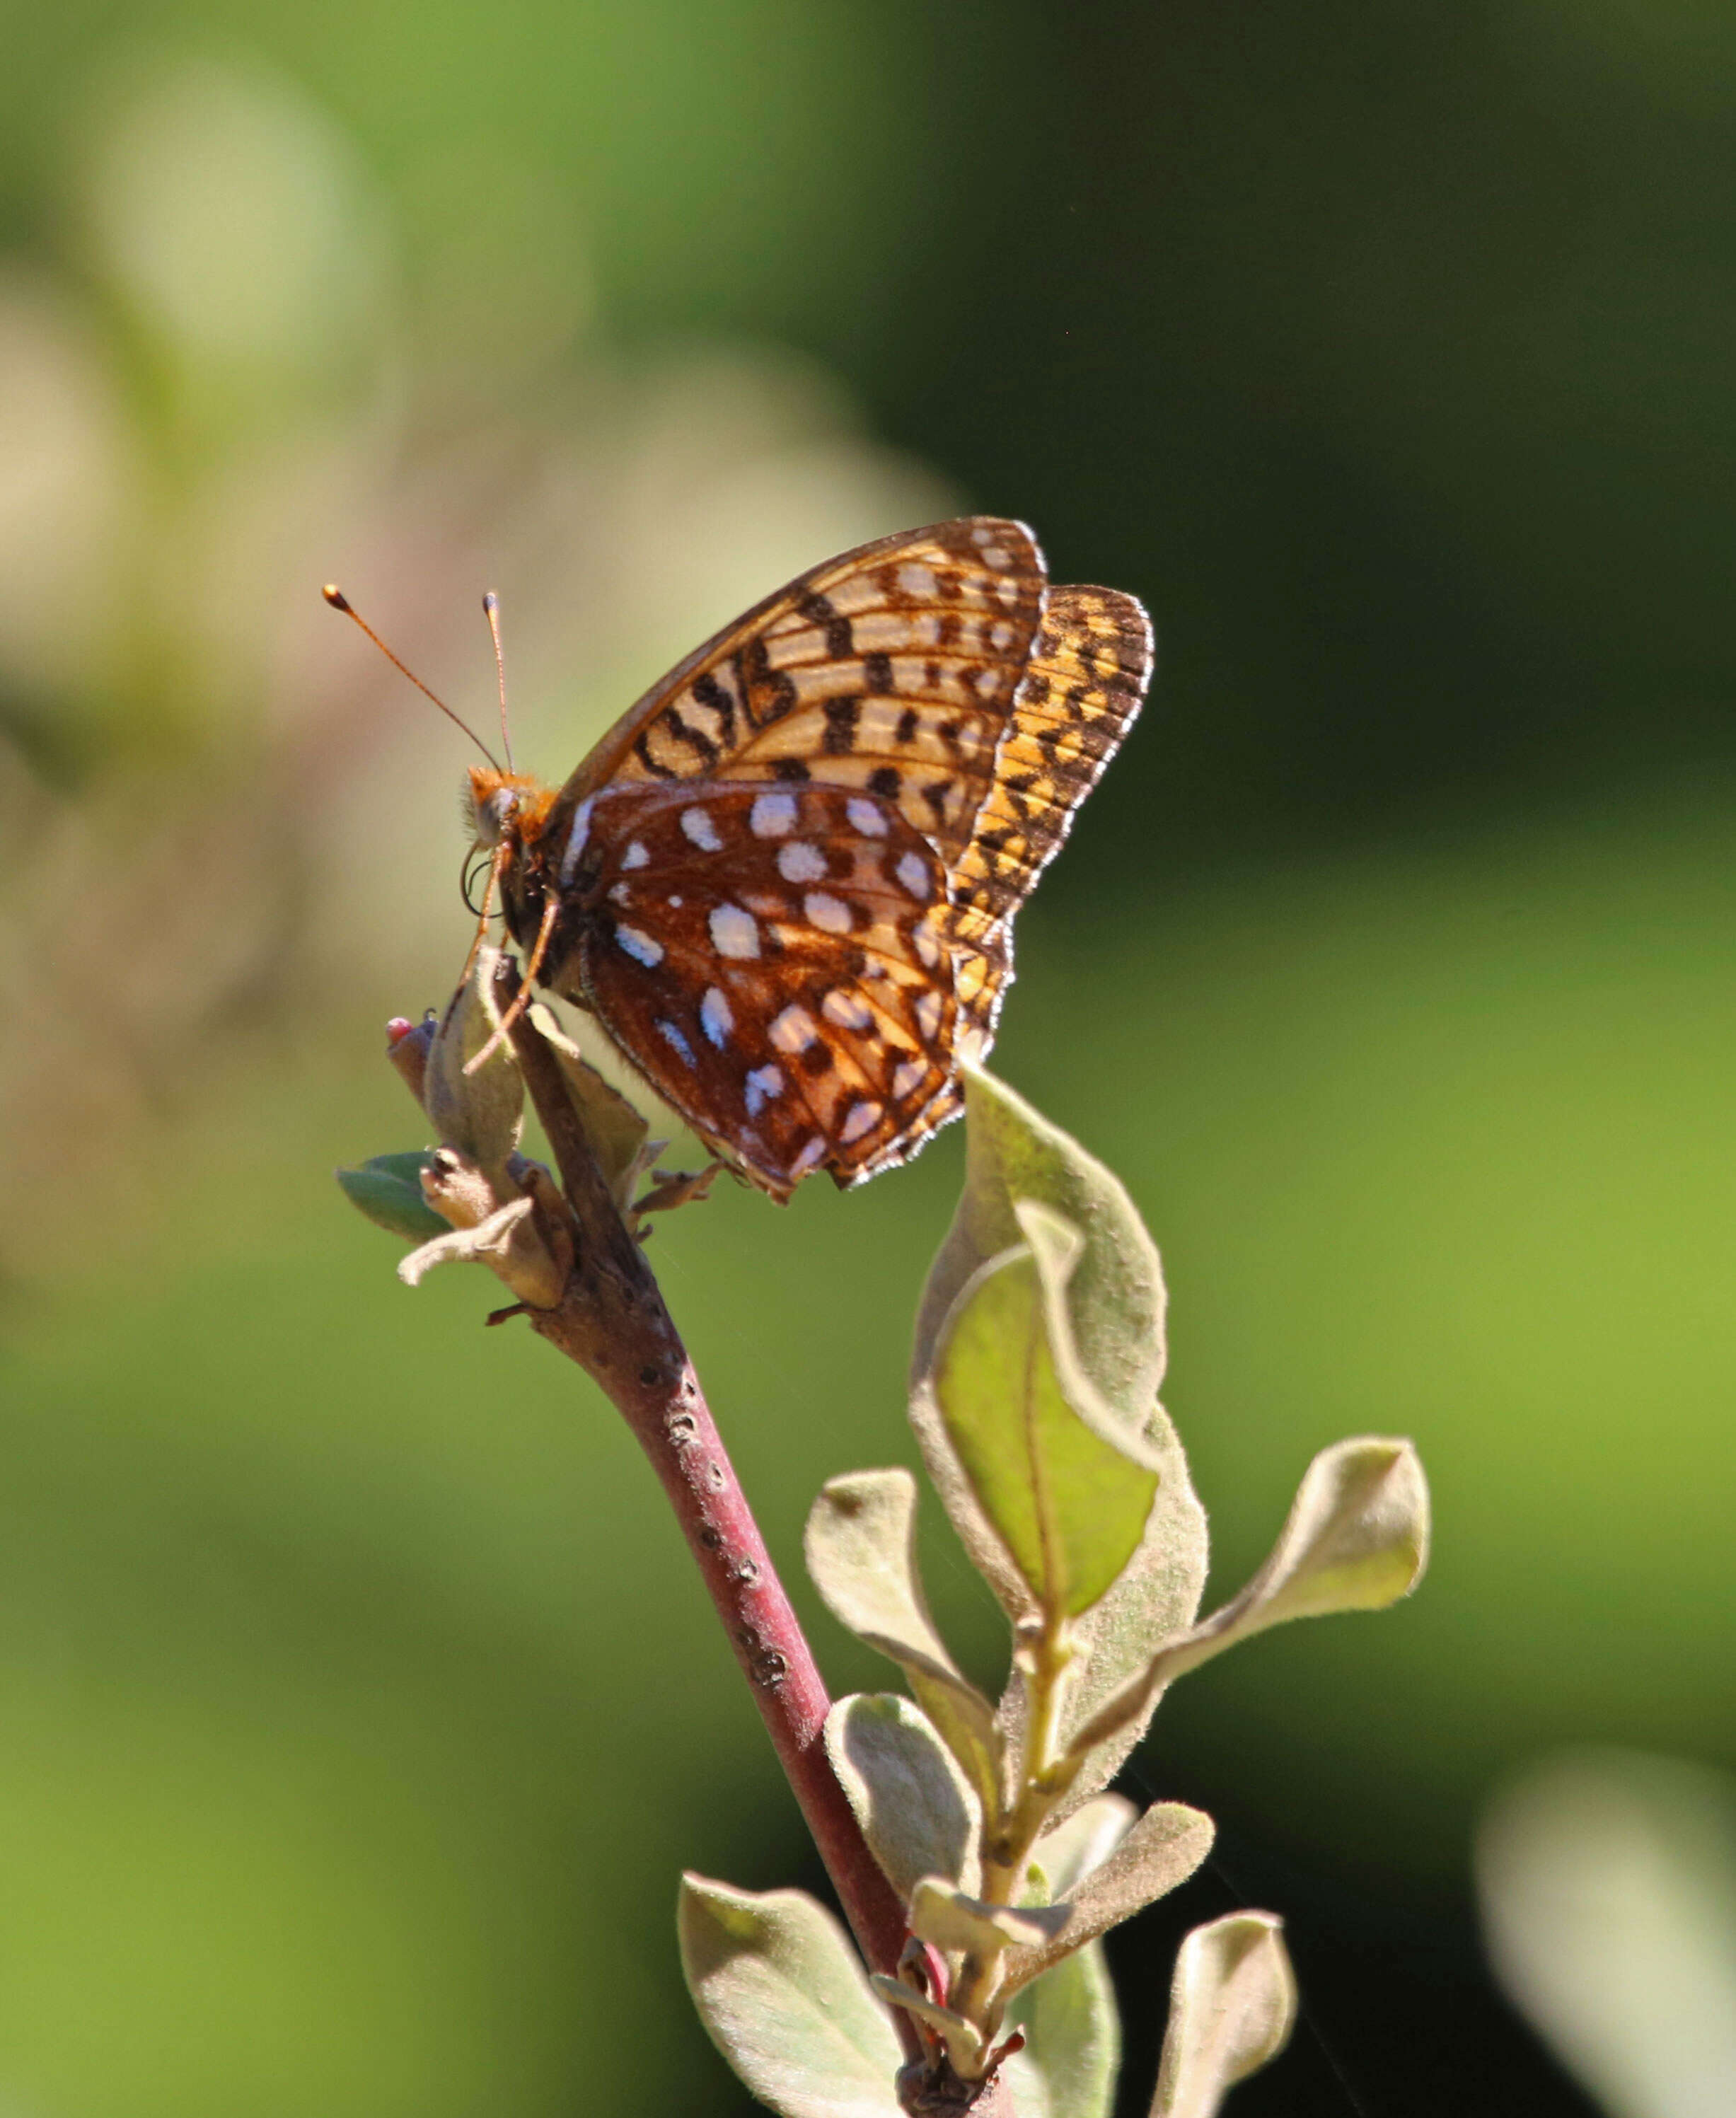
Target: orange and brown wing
x: 892, y: 670
x: 777, y: 963
x: 1086, y: 680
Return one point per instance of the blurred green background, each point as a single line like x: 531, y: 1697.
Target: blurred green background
x: 357, y: 1707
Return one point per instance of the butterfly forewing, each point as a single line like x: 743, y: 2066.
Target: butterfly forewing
x: 778, y: 962
x: 892, y: 670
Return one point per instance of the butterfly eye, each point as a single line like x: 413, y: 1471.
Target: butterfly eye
x: 492, y: 814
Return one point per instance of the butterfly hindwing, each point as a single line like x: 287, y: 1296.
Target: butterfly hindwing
x: 1089, y: 668
x: 777, y: 962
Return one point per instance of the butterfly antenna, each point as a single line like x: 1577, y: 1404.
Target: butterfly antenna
x: 491, y: 605
x: 338, y: 601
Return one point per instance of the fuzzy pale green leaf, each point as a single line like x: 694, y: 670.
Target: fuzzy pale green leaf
x: 860, y: 1546
x: 916, y: 1812
x: 1158, y: 1855
x: 1068, y: 1504
x: 785, y: 1997
x: 1232, y: 2004
x: 388, y: 1188
x: 1114, y: 1296
x: 1356, y: 1539
x: 480, y: 1114
x: 1155, y: 1597
x: 1068, y: 1851
x: 951, y: 1918
x: 1071, y: 2027
x: 1015, y: 1155
x: 1072, y: 2038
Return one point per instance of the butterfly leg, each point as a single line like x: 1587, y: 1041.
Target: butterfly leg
x: 551, y: 912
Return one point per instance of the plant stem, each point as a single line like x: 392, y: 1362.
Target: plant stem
x: 1007, y: 1852
x: 612, y: 1320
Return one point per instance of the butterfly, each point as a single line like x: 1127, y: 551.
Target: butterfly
x: 785, y: 882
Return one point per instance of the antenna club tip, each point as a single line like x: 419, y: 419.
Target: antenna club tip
x: 490, y: 602
x: 335, y: 596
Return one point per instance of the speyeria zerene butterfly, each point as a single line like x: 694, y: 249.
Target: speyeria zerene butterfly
x: 785, y: 882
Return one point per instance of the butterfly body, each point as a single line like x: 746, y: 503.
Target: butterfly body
x: 785, y: 880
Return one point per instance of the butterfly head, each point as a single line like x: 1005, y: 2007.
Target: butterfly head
x: 504, y: 808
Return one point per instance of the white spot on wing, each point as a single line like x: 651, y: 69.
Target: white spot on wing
x: 678, y: 1039
x: 697, y: 823
x: 928, y: 1010
x: 866, y: 816
x: 772, y: 815
x: 1001, y: 637
x: 810, y: 1154
x: 576, y: 838
x: 793, y: 1030
x: 997, y: 556
x: 927, y: 948
x: 909, y: 1078
x: 798, y: 861
x: 860, y: 1118
x: 912, y: 871
x: 716, y: 1017
x: 635, y: 855
x: 988, y: 683
x: 763, y: 1083
x: 915, y: 579
x: 642, y: 947
x: 831, y: 914
x: 849, y: 1011
x: 735, y: 932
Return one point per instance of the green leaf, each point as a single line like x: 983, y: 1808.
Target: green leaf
x: 951, y: 1919
x: 1073, y: 2036
x: 1115, y: 1302
x: 1069, y: 1505
x: 1356, y: 1538
x: 916, y: 1812
x: 1232, y: 2004
x: 1068, y: 1851
x: 1163, y: 1849
x: 860, y: 1546
x: 1056, y: 1247
x: 480, y: 1114
x: 1115, y: 1297
x: 1156, y: 1596
x: 388, y: 1188
x: 785, y: 1997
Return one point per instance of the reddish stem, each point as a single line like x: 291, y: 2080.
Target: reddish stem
x: 612, y: 1320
